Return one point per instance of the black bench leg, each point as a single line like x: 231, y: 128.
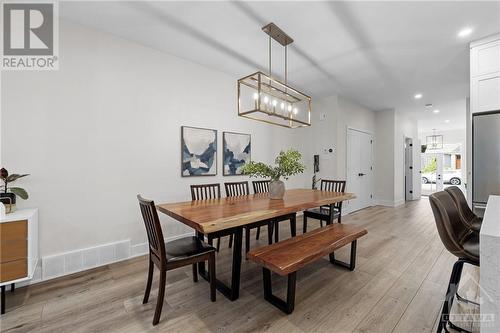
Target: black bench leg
x: 2, y: 309
x: 288, y: 306
x: 352, y: 264
x: 247, y: 241
x: 304, y: 227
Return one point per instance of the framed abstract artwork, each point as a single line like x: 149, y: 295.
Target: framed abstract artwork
x: 237, y: 149
x: 198, y: 151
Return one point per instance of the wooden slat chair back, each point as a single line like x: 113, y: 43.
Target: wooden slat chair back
x: 260, y: 186
x: 205, y: 192
x: 323, y: 213
x: 235, y: 189
x: 208, y: 192
x: 334, y: 186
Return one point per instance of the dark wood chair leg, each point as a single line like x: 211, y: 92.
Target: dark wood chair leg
x: 293, y: 226
x: 148, y: 283
x: 304, y: 227
x: 258, y: 233
x: 288, y: 306
x: 195, y: 273
x: 161, y: 295
x: 339, y: 220
x: 247, y: 241
x: 270, y: 229
x: 230, y: 241
x: 211, y: 267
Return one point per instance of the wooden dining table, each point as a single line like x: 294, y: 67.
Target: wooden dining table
x: 225, y: 216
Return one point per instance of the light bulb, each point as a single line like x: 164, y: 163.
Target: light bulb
x: 295, y: 111
x: 275, y: 102
x: 266, y: 99
x: 282, y: 105
x: 255, y: 96
x: 289, y: 108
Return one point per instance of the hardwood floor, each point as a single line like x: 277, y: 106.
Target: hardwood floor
x: 398, y: 286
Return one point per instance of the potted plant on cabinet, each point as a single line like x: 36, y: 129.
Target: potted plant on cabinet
x: 287, y: 164
x: 8, y: 193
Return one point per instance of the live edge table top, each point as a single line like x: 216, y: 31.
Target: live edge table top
x: 208, y: 216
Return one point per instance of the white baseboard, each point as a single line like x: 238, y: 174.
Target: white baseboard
x: 61, y: 264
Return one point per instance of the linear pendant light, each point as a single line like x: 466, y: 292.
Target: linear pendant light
x: 263, y: 98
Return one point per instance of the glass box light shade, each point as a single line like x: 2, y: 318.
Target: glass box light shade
x: 262, y: 98
x: 434, y: 142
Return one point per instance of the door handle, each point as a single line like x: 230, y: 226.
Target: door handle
x: 361, y: 174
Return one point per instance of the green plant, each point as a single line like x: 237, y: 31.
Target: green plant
x: 6, y: 178
x: 431, y: 167
x: 287, y: 164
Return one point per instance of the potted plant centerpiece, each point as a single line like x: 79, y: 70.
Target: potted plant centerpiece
x: 287, y: 164
x: 8, y: 193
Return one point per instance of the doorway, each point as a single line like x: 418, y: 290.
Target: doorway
x: 442, y: 168
x: 359, y: 168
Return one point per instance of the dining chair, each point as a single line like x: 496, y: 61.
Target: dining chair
x: 171, y: 255
x: 207, y: 192
x: 466, y: 214
x: 459, y: 240
x: 322, y: 213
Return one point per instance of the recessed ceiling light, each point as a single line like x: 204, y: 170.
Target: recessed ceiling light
x: 465, y: 32
x: 436, y: 111
x: 447, y: 121
x: 418, y: 96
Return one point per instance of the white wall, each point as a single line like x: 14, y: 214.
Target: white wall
x: 385, y: 124
x: 331, y: 132
x: 106, y: 126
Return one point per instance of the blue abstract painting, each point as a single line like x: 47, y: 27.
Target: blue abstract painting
x: 199, y: 151
x: 237, y: 149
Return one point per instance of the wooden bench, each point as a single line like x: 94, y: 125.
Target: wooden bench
x: 287, y: 257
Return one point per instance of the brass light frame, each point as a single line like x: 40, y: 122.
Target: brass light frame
x: 262, y: 83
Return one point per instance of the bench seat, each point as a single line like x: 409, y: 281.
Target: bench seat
x: 287, y: 257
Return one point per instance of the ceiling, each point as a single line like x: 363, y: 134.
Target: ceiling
x: 376, y: 53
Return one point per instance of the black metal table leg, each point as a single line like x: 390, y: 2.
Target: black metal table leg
x: 232, y: 292
x: 2, y: 306
x: 270, y: 231
x: 293, y: 225
x: 352, y: 264
x: 12, y: 287
x: 288, y: 306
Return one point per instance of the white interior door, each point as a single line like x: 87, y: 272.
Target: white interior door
x: 359, y: 169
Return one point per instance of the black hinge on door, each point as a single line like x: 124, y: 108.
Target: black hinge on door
x: 411, y: 192
x: 411, y: 168
x: 371, y: 196
x: 371, y: 141
x: 371, y: 168
x: 411, y: 144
